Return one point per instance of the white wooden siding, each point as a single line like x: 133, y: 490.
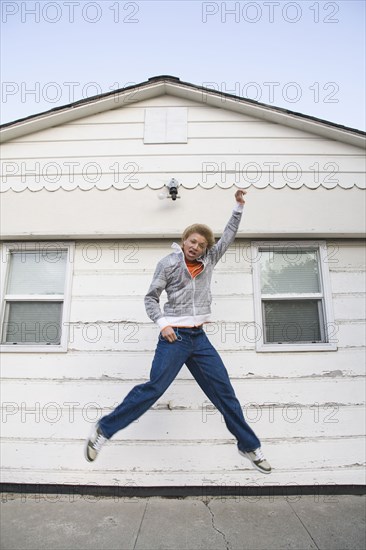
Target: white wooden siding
x: 224, y: 149
x: 308, y: 408
x: 130, y: 214
x: 235, y: 144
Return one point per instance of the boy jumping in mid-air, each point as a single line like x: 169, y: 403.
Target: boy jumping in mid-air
x: 185, y: 275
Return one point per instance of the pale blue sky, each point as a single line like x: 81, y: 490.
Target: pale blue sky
x: 305, y: 56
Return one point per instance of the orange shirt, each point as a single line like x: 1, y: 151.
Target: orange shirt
x: 194, y: 267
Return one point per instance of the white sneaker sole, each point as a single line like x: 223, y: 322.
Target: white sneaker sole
x: 92, y: 431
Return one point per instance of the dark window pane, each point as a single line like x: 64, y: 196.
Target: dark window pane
x: 292, y: 321
x: 33, y: 322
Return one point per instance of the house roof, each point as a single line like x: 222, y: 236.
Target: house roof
x: 171, y: 85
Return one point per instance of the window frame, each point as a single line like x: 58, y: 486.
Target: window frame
x: 65, y: 298
x: 325, y: 296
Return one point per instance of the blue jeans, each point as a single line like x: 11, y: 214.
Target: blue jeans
x: 192, y: 348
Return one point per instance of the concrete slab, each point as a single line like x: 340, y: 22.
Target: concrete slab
x: 174, y: 524
x: 69, y: 522
x: 259, y: 523
x: 335, y: 522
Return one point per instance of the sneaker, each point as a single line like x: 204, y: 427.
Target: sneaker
x: 256, y: 457
x: 94, y: 444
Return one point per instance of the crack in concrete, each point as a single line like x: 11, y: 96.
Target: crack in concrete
x: 303, y: 524
x: 142, y: 519
x: 214, y: 526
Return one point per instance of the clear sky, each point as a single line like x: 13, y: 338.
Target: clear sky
x: 305, y: 56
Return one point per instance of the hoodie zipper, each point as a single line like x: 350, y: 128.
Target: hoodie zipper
x: 194, y: 290
x: 193, y: 281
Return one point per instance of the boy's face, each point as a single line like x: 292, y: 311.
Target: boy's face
x: 194, y: 246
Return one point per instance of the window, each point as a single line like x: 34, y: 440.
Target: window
x: 292, y: 297
x: 36, y: 281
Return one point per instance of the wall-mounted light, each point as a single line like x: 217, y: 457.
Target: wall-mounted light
x: 173, y: 190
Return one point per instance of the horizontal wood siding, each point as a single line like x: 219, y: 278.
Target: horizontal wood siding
x: 223, y: 148
x: 307, y: 408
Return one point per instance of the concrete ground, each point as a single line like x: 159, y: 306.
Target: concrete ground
x: 209, y: 523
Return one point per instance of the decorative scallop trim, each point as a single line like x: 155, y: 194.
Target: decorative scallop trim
x: 158, y: 184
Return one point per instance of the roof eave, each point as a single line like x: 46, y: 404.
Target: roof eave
x: 170, y: 85
x: 270, y: 114
x: 75, y: 111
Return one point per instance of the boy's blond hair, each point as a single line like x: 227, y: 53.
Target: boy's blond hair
x: 202, y: 230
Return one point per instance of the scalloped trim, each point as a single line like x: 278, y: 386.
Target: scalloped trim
x: 158, y: 184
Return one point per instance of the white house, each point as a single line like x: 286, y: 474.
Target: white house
x: 82, y: 230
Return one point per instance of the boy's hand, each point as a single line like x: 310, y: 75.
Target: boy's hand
x: 239, y: 196
x: 169, y: 334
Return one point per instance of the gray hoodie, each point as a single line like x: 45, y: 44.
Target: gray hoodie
x: 189, y: 299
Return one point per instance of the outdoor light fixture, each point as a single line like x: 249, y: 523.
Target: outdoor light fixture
x: 173, y: 190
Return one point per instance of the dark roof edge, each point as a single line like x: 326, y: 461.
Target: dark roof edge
x: 174, y: 79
